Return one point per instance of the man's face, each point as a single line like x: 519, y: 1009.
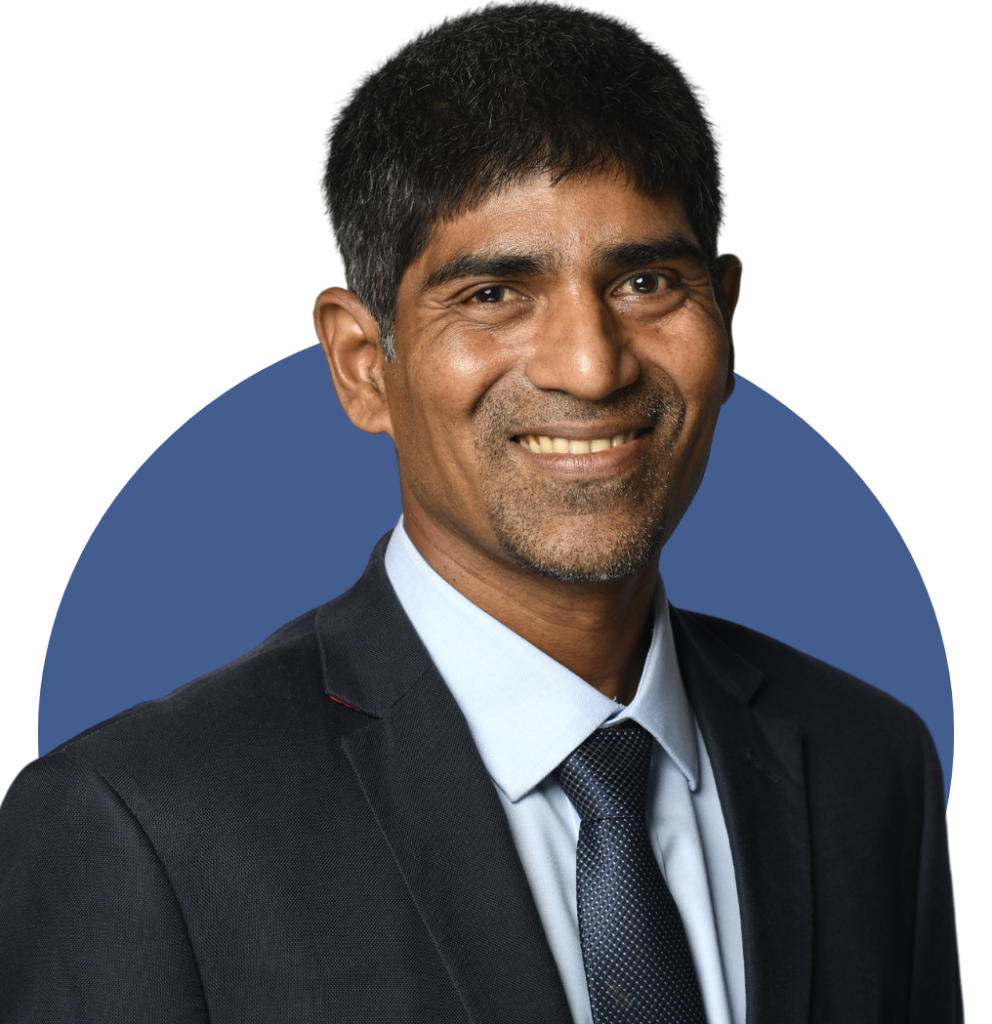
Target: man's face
x: 561, y: 361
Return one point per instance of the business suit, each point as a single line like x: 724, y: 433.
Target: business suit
x: 309, y: 834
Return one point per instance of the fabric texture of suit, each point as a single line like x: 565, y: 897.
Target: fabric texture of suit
x: 308, y: 834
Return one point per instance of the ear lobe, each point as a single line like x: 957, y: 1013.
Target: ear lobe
x: 349, y: 337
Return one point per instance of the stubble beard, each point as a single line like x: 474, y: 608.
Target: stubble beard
x: 582, y: 530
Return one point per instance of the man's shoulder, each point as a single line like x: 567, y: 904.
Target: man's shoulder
x: 855, y: 746
x: 249, y: 687
x: 235, y: 719
x: 288, y: 700
x: 828, y: 703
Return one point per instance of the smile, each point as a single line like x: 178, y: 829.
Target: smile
x: 541, y: 444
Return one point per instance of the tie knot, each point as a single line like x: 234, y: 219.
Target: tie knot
x: 607, y: 776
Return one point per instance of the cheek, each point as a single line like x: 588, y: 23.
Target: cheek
x: 455, y: 374
x: 696, y: 356
x: 436, y: 441
x: 462, y: 351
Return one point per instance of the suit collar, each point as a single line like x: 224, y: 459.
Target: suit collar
x: 370, y: 652
x: 758, y: 767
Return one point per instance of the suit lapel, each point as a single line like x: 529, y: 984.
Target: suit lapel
x: 438, y: 809
x: 758, y: 766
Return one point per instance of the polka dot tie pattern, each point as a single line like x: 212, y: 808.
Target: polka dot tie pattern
x: 638, y: 965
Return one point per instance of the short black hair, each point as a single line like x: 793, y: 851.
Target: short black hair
x: 488, y: 98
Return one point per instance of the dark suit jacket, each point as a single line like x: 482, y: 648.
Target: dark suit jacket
x: 309, y: 834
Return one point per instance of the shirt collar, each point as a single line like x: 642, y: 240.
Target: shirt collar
x: 525, y: 711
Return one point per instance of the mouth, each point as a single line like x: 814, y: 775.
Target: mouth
x: 558, y: 444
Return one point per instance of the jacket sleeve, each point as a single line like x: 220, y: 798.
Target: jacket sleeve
x: 935, y: 996
x: 90, y: 928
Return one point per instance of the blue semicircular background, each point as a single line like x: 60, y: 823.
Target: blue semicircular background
x: 268, y: 503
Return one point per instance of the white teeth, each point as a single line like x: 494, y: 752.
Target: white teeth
x: 541, y: 444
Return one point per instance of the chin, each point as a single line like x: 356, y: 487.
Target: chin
x: 575, y: 553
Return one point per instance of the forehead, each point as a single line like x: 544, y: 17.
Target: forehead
x: 560, y: 223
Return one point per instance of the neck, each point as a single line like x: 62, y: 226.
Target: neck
x: 600, y: 631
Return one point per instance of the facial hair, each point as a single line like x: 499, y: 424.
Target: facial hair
x: 579, y: 530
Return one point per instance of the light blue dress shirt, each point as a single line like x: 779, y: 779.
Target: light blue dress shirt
x: 527, y: 713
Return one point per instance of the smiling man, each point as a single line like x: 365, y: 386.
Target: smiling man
x: 501, y: 779
x: 562, y: 354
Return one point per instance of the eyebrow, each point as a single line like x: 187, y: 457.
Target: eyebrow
x: 630, y: 254
x: 497, y: 264
x: 490, y: 264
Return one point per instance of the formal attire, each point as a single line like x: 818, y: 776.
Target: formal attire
x: 312, y: 834
x: 526, y: 713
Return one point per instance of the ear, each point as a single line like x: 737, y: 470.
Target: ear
x: 350, y: 340
x: 728, y: 290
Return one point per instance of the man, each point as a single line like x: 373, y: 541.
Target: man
x: 501, y: 779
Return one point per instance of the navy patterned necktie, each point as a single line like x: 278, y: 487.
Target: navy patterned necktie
x: 638, y: 966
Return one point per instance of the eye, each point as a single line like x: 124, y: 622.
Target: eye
x: 492, y: 294
x: 644, y: 284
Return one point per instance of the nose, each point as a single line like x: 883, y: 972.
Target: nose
x: 579, y: 348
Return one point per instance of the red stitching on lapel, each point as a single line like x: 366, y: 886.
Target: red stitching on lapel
x: 337, y: 700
